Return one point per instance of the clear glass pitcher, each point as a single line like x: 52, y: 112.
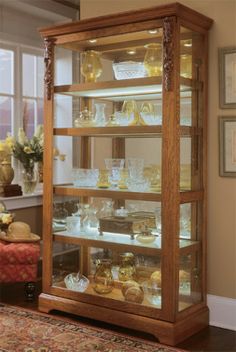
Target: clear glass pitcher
x: 107, y: 209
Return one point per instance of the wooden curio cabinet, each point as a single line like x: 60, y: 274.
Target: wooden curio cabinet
x: 131, y: 86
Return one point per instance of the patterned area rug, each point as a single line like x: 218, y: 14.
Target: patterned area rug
x: 22, y: 330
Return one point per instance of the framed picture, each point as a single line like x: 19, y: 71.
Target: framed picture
x: 227, y: 75
x: 227, y: 134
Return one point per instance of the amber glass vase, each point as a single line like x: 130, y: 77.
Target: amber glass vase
x: 153, y: 59
x: 91, y: 67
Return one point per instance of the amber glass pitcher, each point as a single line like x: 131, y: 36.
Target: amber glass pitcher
x: 103, y: 279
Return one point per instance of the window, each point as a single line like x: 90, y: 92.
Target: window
x: 21, y: 89
x: 7, y: 91
x: 32, y: 92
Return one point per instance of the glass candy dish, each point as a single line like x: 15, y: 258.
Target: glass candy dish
x: 76, y: 282
x: 128, y: 70
x: 146, y: 237
x: 86, y: 119
x: 85, y: 177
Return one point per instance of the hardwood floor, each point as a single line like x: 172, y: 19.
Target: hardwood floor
x: 211, y: 339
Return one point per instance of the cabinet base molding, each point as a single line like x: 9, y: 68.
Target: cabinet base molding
x: 166, y: 332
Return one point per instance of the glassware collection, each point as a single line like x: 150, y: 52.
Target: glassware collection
x: 125, y: 274
x: 104, y: 217
x: 151, y: 65
x: 122, y: 273
x: 148, y: 113
x: 131, y: 114
x: 135, y: 176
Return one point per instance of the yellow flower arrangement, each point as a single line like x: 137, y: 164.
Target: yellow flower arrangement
x: 29, y: 151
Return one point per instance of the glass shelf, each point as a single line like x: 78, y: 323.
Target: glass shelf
x: 130, y: 131
x: 186, y: 196
x: 70, y: 190
x: 122, y: 241
x: 121, y: 89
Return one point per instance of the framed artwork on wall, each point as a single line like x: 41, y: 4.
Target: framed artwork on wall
x: 227, y: 75
x: 227, y: 137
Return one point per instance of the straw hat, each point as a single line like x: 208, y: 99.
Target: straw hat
x: 19, y: 232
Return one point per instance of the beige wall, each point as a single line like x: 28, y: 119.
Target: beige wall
x: 221, y: 191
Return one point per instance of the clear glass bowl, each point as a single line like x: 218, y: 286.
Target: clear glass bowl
x: 76, y: 282
x: 124, y: 119
x: 151, y: 119
x: 129, y: 70
x: 152, y: 292
x: 85, y: 177
x: 138, y: 185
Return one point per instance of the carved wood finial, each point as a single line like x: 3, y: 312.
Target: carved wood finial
x: 48, y: 61
x: 168, y: 28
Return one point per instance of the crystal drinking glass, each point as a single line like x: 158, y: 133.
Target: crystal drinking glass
x: 135, y: 167
x: 114, y: 166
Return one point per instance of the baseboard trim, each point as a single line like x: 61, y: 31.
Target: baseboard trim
x: 222, y: 312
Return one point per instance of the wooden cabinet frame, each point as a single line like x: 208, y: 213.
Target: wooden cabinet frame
x: 168, y: 324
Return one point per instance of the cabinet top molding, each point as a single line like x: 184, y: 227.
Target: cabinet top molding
x: 185, y: 13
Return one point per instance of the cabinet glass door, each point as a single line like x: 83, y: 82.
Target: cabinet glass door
x: 192, y: 158
x: 107, y: 170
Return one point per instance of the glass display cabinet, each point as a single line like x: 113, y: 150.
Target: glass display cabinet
x: 126, y: 104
